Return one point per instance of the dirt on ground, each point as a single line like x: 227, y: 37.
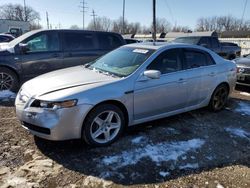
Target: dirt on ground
x: 194, y: 149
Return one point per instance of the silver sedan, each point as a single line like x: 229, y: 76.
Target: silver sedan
x: 133, y: 84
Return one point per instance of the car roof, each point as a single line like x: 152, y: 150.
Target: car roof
x: 160, y: 45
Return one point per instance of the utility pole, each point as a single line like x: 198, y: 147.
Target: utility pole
x: 154, y: 20
x: 123, y: 18
x: 25, y: 12
x: 83, y: 7
x: 47, y: 18
x: 94, y: 16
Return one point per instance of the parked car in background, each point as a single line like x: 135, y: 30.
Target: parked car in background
x: 6, y: 38
x: 228, y: 44
x: 97, y: 101
x: 131, y: 41
x: 38, y: 52
x: 226, y: 51
x: 243, y: 70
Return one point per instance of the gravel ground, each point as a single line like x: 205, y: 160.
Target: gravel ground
x: 194, y: 149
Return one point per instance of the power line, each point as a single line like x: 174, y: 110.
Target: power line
x: 170, y: 10
x: 83, y: 7
x: 243, y: 13
x: 94, y: 17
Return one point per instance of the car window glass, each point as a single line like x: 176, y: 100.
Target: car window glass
x: 108, y: 41
x: 194, y: 59
x: 43, y: 43
x: 210, y: 60
x: 78, y: 41
x: 166, y: 62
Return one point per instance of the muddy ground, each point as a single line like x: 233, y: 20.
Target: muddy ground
x: 194, y: 149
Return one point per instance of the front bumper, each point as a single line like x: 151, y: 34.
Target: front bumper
x: 60, y: 124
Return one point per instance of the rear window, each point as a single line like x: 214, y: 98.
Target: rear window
x: 194, y: 59
x: 187, y: 40
x: 109, y: 41
x: 78, y: 41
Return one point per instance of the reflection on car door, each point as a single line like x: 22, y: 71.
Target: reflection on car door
x: 169, y: 93
x: 201, y: 72
x: 43, y: 54
x: 79, y: 48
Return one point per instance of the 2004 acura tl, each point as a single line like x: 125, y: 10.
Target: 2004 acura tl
x: 130, y: 85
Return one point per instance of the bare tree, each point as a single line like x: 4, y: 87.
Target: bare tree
x: 74, y: 27
x: 222, y: 23
x: 100, y: 24
x: 16, y: 12
x: 178, y: 28
x: 162, y: 25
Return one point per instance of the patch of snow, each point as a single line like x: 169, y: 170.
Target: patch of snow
x: 189, y: 165
x: 6, y: 94
x: 158, y: 153
x: 238, y: 132
x: 164, y: 174
x: 243, y: 108
x: 138, y: 140
x: 245, y: 94
x: 184, y: 157
x: 219, y: 186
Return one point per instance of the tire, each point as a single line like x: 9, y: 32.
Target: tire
x: 103, y: 125
x: 219, y: 98
x: 8, y: 80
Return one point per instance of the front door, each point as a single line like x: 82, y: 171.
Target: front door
x: 168, y: 93
x: 43, y: 54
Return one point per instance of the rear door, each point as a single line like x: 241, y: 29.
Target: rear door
x: 44, y: 54
x: 79, y: 48
x: 201, y: 74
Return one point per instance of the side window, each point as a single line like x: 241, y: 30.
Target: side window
x: 43, y: 43
x: 108, y: 41
x: 166, y: 62
x: 78, y: 41
x: 194, y: 59
x: 210, y: 60
x: 215, y: 43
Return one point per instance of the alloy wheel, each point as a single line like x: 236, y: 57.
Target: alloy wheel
x: 105, y: 127
x: 220, y: 98
x: 6, y: 81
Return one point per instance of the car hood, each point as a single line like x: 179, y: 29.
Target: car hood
x: 6, y: 47
x: 242, y: 62
x: 65, y: 79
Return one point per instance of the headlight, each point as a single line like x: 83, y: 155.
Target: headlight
x: 53, y: 105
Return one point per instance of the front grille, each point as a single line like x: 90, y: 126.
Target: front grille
x: 36, y: 128
x: 245, y: 81
x: 246, y: 71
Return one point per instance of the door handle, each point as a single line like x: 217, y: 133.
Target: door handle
x: 181, y: 80
x: 55, y: 55
x: 211, y: 74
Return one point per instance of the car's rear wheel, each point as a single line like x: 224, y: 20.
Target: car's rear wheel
x: 8, y: 80
x: 219, y: 98
x: 103, y: 125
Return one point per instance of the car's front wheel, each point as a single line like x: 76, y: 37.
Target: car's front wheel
x: 103, y: 125
x: 219, y: 98
x: 8, y: 80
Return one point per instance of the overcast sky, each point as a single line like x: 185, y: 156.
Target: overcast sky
x: 180, y: 12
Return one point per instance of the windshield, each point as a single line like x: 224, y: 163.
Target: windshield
x: 122, y: 62
x: 188, y: 40
x: 21, y: 38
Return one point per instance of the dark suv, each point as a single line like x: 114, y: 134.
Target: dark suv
x: 41, y: 51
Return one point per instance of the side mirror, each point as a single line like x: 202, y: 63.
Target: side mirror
x: 23, y: 47
x: 153, y: 74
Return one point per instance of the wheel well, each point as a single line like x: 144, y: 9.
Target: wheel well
x: 13, y: 70
x: 226, y: 84
x: 119, y: 105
